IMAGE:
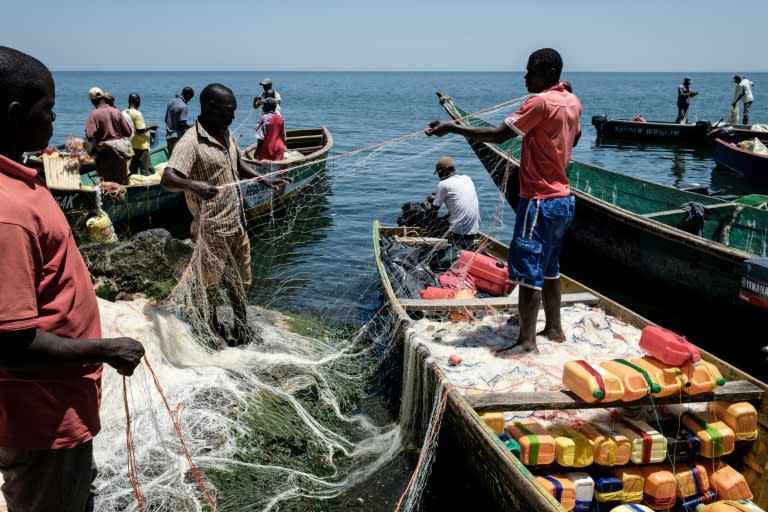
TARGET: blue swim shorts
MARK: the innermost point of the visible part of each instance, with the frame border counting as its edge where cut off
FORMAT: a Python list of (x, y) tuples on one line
[(540, 225)]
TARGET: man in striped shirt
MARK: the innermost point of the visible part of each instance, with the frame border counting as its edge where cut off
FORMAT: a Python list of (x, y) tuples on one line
[(206, 165)]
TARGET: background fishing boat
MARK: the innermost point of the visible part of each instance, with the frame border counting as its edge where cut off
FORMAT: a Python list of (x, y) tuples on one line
[(666, 131), (750, 163), (306, 155), (480, 451), (142, 198), (640, 232)]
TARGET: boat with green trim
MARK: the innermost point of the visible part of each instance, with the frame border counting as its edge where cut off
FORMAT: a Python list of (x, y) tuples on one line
[(435, 382), (677, 246)]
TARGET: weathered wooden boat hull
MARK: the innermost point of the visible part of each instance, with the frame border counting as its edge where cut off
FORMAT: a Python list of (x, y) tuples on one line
[(752, 165), (631, 225), (314, 144), (502, 475), (692, 133), (138, 201)]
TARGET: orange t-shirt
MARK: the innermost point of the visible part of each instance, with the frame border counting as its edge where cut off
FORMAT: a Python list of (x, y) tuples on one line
[(548, 122), (44, 284)]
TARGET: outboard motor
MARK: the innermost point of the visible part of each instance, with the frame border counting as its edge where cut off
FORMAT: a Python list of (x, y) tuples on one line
[(598, 122), (753, 285), (704, 126)]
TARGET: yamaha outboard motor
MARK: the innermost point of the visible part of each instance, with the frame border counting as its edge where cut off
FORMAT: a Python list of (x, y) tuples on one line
[(753, 285)]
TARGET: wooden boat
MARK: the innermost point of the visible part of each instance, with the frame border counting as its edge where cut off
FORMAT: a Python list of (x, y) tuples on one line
[(690, 133), (122, 204), (306, 155), (733, 156), (463, 433), (634, 226)]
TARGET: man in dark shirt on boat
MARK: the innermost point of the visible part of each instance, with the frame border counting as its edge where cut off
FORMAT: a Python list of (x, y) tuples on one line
[(684, 95), (548, 123), (206, 165), (51, 346), (109, 133), (176, 117)]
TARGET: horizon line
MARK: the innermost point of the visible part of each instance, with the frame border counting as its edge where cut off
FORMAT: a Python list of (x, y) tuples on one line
[(372, 71)]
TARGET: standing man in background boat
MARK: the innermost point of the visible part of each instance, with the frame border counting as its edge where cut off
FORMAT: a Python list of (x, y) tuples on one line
[(684, 95), (457, 193), (548, 122), (270, 133), (109, 133), (267, 93), (206, 165), (51, 349), (141, 163), (176, 117), (743, 93)]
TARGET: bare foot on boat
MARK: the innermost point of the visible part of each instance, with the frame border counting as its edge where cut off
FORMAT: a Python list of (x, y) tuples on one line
[(556, 335), (518, 350)]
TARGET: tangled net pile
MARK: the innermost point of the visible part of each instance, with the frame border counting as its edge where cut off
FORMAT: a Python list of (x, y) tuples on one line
[(273, 425)]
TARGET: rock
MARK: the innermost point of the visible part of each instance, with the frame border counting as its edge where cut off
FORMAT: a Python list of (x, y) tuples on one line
[(150, 263)]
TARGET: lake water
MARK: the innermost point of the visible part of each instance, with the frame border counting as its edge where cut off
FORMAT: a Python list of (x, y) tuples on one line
[(322, 263)]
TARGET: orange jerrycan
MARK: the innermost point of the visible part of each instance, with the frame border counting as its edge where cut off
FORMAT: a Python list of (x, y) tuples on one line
[(536, 445), (670, 378), (495, 420), (611, 448), (572, 448), (560, 487), (592, 383), (637, 382), (634, 481), (717, 438), (660, 487), (701, 377), (691, 480), (648, 445), (728, 483), (741, 417)]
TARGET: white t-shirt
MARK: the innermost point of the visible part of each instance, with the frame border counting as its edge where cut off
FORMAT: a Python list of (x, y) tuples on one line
[(744, 86), (458, 194)]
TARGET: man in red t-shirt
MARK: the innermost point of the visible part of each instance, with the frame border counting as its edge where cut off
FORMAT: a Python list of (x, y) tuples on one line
[(51, 349), (548, 123)]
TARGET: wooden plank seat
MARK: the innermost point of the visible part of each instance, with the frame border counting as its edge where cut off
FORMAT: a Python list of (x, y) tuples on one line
[(489, 302), (734, 391), (680, 211)]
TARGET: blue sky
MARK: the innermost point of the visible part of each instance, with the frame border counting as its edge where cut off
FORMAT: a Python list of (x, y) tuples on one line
[(388, 35)]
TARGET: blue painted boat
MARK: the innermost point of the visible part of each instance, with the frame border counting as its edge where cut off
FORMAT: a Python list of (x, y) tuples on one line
[(733, 156), (666, 131)]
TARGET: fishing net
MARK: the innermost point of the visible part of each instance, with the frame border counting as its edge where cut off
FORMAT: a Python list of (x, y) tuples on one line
[(283, 422)]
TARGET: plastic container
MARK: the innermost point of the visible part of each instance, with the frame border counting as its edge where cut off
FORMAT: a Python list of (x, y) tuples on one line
[(631, 507), (632, 480), (717, 438), (730, 506), (491, 275), (592, 383), (729, 484), (572, 448), (585, 490), (637, 382), (512, 445), (691, 480), (536, 445), (100, 228), (702, 377), (669, 378), (668, 347), (434, 293), (741, 417), (495, 420), (611, 448), (561, 488), (648, 445), (608, 490), (659, 487)]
